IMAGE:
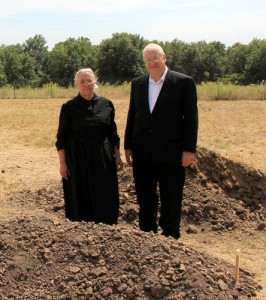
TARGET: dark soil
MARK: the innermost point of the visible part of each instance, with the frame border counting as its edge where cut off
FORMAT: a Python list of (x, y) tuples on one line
[(45, 256)]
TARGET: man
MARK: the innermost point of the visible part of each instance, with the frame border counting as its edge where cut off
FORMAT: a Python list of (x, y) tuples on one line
[(160, 140)]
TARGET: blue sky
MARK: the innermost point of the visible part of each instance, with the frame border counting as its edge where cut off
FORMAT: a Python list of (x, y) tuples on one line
[(227, 21)]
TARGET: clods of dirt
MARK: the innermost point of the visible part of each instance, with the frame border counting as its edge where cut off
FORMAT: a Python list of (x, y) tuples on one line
[(45, 256), (58, 259)]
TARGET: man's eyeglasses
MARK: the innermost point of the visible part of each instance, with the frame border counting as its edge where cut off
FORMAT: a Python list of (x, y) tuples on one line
[(152, 60)]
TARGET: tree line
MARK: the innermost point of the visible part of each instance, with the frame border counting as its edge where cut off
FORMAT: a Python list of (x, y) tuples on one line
[(119, 59)]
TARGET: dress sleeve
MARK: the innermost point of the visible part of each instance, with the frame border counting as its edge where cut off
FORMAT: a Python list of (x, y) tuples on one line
[(113, 136), (63, 128)]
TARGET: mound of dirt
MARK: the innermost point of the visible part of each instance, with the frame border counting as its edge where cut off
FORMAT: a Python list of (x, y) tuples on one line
[(56, 259), (224, 195), (45, 256)]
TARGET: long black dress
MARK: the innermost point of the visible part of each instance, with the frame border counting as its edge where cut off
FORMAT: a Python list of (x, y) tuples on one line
[(87, 131)]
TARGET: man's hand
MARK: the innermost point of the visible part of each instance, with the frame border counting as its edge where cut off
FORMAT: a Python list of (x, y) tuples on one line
[(119, 163), (129, 156), (187, 158)]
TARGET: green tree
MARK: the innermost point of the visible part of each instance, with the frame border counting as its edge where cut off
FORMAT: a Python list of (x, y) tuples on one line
[(175, 55), (120, 58), (255, 69), (3, 79), (236, 58), (36, 48), (215, 55), (67, 57), (235, 62), (18, 66), (28, 71), (203, 61)]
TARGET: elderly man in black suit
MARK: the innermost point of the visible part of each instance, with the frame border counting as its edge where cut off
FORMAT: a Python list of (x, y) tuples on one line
[(160, 140)]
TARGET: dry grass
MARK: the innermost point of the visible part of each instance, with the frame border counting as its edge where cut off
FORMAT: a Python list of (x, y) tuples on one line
[(29, 122), (206, 91), (221, 91), (236, 129)]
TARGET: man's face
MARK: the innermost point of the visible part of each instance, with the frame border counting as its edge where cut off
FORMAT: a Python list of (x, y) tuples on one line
[(154, 62)]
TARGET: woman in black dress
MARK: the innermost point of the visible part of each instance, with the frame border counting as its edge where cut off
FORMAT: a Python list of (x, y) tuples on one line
[(88, 149)]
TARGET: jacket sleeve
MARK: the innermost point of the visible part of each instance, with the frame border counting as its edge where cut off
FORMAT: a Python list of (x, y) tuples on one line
[(190, 116)]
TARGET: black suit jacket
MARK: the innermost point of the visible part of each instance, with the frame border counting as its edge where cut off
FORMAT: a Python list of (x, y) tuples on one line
[(171, 127)]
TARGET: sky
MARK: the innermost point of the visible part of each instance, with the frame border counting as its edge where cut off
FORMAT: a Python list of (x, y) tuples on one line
[(226, 21)]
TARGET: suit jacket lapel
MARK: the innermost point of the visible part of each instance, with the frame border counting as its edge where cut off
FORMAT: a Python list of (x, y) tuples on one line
[(144, 95), (164, 91)]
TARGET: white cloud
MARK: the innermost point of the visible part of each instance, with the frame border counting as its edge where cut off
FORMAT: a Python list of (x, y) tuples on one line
[(190, 4), (192, 20), (14, 8)]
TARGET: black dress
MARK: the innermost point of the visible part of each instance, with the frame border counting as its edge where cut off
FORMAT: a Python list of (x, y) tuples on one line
[(87, 131)]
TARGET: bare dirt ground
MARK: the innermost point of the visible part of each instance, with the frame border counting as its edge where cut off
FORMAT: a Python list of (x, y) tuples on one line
[(44, 256)]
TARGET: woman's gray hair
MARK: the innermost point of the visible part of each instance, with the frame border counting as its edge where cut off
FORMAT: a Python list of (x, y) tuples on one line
[(153, 47), (85, 70)]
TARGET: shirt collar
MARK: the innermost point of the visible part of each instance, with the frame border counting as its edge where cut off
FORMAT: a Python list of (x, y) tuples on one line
[(161, 79)]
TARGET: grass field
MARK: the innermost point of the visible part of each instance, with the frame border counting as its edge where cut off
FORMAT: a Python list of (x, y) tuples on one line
[(206, 91), (235, 129)]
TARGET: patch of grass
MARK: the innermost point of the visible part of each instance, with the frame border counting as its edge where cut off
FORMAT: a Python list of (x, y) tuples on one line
[(29, 122), (206, 91), (235, 129), (221, 91)]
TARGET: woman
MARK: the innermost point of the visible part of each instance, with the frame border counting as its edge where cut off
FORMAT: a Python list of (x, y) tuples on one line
[(88, 149)]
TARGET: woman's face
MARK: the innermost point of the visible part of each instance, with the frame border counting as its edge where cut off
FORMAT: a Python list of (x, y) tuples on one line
[(85, 84)]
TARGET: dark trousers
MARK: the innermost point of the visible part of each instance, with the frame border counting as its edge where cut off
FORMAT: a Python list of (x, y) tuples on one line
[(169, 179)]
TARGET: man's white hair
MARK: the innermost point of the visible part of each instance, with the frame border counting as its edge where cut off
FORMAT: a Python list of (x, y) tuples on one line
[(153, 47)]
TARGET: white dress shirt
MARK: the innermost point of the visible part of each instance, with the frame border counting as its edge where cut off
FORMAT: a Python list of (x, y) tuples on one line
[(154, 89)]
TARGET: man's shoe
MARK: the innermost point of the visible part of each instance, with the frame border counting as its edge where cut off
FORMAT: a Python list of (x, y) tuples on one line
[(149, 230), (168, 233)]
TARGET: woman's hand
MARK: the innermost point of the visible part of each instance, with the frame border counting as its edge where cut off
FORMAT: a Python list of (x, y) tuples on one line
[(119, 162), (64, 172)]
